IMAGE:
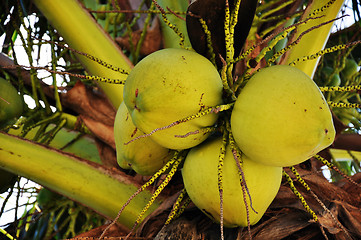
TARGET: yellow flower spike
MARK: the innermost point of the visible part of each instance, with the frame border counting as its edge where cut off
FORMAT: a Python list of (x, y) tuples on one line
[(332, 166), (176, 207), (187, 201), (299, 195), (82, 33), (344, 105), (316, 39), (340, 89), (305, 185), (209, 41), (172, 26), (222, 154), (322, 52), (157, 192)]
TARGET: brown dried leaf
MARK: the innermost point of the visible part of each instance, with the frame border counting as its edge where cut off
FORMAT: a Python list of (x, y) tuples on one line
[(94, 109), (283, 225), (114, 231), (155, 221), (326, 220), (242, 65), (152, 41), (286, 218), (350, 216), (107, 154), (100, 130)]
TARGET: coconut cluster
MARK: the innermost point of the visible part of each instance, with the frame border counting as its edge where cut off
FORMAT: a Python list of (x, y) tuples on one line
[(279, 119)]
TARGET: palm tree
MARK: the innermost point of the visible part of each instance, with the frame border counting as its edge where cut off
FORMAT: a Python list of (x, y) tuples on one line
[(66, 142)]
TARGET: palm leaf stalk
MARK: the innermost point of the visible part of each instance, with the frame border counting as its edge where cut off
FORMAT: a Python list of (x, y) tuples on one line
[(315, 40), (102, 189), (82, 33)]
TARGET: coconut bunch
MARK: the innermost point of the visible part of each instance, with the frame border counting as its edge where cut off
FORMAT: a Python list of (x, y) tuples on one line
[(172, 102), (162, 90)]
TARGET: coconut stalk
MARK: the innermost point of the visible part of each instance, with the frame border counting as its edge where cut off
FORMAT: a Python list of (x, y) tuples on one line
[(170, 38), (68, 141), (81, 32), (315, 40), (102, 189)]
